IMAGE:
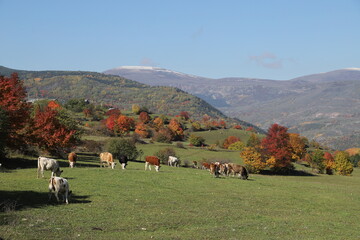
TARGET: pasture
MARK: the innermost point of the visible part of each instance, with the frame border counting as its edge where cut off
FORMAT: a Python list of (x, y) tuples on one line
[(178, 203)]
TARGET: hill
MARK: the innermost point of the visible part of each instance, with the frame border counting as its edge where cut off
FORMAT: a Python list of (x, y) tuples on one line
[(323, 106), (114, 91)]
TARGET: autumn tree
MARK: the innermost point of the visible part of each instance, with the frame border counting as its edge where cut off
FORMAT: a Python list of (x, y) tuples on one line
[(158, 123), (236, 146), (196, 141), (230, 140), (135, 109), (184, 115), (50, 134), (343, 166), (297, 146), (195, 126), (4, 125), (144, 117), (329, 163), (15, 110), (164, 135), (177, 129), (53, 104), (253, 159), (113, 111), (253, 141), (277, 147), (142, 130), (124, 124)]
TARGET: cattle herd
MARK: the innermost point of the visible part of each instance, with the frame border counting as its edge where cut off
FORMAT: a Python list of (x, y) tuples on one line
[(59, 185)]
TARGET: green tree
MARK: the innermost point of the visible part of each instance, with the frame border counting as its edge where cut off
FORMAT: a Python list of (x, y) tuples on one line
[(123, 147), (196, 140), (317, 161)]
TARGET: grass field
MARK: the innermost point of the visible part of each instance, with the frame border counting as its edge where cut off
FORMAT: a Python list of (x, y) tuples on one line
[(178, 203)]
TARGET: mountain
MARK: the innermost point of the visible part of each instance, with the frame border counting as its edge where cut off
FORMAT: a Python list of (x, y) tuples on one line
[(115, 91), (323, 106)]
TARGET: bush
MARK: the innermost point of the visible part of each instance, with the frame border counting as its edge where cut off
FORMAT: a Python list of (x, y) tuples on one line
[(123, 147), (164, 154), (196, 140), (355, 159), (236, 146), (164, 135)]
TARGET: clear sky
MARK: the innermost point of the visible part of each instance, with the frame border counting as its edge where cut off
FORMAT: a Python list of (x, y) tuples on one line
[(273, 39)]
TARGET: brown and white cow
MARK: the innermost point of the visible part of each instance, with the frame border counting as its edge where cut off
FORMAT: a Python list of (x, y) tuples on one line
[(106, 158), (48, 164), (59, 185), (215, 169), (239, 170), (72, 157), (205, 165), (152, 160)]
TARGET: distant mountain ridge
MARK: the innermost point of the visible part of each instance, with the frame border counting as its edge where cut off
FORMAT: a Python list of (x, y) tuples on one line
[(323, 106), (116, 91)]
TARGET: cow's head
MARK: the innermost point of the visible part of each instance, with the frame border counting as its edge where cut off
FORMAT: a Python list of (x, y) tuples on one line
[(58, 172), (157, 167)]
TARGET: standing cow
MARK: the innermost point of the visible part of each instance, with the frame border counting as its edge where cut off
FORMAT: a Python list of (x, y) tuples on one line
[(173, 161), (48, 164), (59, 185), (107, 158), (241, 171), (152, 160), (72, 157), (123, 161)]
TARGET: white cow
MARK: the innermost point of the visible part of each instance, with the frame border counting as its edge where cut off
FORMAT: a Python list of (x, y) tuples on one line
[(59, 185), (173, 161), (48, 164)]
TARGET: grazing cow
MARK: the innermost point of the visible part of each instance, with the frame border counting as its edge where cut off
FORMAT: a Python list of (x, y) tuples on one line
[(239, 170), (173, 161), (205, 165), (72, 157), (215, 169), (106, 158), (123, 161), (152, 160), (195, 164), (224, 169), (48, 164), (59, 185)]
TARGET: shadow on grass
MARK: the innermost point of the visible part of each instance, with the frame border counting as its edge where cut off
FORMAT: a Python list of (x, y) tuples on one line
[(18, 200), (289, 173)]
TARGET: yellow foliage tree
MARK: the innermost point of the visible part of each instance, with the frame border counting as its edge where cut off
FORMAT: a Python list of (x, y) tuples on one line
[(253, 159), (343, 166), (297, 146)]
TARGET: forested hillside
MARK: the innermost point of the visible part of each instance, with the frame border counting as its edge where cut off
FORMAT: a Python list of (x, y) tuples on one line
[(114, 91)]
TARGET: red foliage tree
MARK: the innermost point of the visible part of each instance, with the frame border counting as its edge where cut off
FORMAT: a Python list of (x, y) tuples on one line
[(49, 133), (276, 144), (111, 122), (184, 115), (53, 105), (144, 117), (230, 140), (113, 111), (238, 127), (17, 110)]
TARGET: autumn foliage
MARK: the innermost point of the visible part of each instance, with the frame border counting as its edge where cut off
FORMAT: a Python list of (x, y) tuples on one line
[(230, 140)]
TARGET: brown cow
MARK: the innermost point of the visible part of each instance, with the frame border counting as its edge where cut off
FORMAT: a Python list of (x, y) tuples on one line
[(152, 160), (239, 170), (215, 169), (72, 157), (106, 158), (205, 165)]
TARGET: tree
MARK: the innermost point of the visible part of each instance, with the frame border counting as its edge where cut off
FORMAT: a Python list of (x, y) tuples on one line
[(177, 129), (164, 154), (236, 146), (196, 126), (196, 141), (142, 130), (124, 124), (158, 123), (253, 141), (144, 117), (297, 146), (135, 109), (123, 147), (343, 165), (276, 144), (50, 134), (4, 125), (253, 159), (164, 135), (230, 140), (53, 104), (184, 115), (15, 110), (329, 163), (76, 104), (317, 161)]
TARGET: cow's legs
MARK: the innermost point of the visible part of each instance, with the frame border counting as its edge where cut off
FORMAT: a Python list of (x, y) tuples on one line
[(146, 165)]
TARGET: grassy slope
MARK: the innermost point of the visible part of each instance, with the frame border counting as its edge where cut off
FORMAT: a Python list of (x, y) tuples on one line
[(180, 203)]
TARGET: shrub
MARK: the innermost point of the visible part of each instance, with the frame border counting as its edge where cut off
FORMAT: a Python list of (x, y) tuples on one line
[(123, 147), (196, 140), (237, 146), (164, 154), (355, 159), (163, 135)]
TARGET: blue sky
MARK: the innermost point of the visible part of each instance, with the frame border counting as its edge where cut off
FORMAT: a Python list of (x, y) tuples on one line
[(241, 38)]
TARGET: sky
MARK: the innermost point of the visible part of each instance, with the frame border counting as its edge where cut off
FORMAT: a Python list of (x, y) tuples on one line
[(277, 39)]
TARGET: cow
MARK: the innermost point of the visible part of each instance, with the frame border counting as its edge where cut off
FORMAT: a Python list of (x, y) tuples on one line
[(123, 161), (59, 185), (205, 165), (224, 169), (106, 158), (173, 161), (152, 160), (215, 169), (72, 157), (195, 164), (48, 164), (239, 170)]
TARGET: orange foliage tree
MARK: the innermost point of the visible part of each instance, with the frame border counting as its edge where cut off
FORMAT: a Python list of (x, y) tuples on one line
[(297, 146), (15, 108), (158, 123), (177, 129), (124, 124), (142, 130), (53, 105), (144, 117), (329, 163)]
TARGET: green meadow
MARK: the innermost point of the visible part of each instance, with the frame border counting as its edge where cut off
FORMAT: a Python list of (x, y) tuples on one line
[(178, 203)]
